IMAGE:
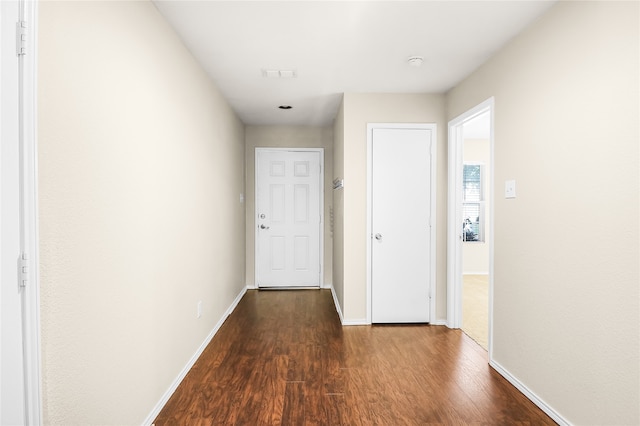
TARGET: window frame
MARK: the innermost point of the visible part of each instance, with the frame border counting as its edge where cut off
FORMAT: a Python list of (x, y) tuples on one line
[(481, 237)]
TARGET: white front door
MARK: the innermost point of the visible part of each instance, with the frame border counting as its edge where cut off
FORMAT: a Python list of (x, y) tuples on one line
[(288, 219), (400, 224)]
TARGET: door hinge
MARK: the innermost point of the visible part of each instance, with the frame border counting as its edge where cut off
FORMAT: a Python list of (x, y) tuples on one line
[(21, 38), (23, 264)]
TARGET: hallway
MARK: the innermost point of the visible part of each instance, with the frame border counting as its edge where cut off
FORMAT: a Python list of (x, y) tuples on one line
[(283, 358)]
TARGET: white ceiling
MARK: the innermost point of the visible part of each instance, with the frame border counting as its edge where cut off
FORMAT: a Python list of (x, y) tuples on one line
[(339, 46)]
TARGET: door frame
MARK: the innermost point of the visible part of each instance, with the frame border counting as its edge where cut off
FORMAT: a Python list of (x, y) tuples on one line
[(28, 190), (320, 151), (432, 221), (454, 216)]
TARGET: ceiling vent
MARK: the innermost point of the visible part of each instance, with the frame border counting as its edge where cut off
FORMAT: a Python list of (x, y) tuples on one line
[(279, 73)]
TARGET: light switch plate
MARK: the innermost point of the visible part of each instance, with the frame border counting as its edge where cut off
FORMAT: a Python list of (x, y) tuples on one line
[(510, 189)]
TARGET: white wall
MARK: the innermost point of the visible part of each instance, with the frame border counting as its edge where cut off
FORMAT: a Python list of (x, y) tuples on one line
[(141, 163), (475, 255), (566, 301), (286, 137), (359, 109)]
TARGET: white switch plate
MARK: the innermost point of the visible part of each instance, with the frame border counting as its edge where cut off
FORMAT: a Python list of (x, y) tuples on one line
[(510, 189), (241, 198)]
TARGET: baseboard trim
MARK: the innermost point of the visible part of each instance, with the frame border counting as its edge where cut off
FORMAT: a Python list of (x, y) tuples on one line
[(172, 388), (440, 322), (475, 273), (529, 394), (335, 302), (362, 321), (342, 320)]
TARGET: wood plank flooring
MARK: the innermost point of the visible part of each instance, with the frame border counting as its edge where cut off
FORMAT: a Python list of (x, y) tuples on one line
[(283, 358)]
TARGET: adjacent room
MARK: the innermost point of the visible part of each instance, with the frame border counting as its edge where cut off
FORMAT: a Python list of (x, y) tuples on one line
[(148, 207)]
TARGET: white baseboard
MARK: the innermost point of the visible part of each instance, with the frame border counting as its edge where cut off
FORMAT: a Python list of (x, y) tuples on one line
[(362, 321), (342, 320), (439, 322), (476, 273), (165, 398), (335, 302), (529, 394)]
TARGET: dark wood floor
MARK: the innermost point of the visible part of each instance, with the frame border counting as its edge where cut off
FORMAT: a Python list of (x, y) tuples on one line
[(282, 358)]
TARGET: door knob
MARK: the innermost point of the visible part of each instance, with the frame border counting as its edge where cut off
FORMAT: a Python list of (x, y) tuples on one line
[(379, 237), (263, 227)]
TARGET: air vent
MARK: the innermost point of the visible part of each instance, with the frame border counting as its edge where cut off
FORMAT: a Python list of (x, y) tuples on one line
[(279, 73)]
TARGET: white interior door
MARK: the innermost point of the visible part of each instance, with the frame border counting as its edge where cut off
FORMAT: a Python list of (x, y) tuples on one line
[(288, 219), (401, 232)]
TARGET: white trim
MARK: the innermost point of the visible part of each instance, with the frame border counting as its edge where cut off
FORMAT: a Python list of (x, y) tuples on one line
[(439, 322), (344, 322), (361, 321), (174, 385), (432, 262), (337, 304), (255, 204), (30, 232), (454, 206), (529, 394), (476, 273)]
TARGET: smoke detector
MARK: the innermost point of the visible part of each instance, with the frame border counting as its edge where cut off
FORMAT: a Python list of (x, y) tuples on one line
[(415, 61)]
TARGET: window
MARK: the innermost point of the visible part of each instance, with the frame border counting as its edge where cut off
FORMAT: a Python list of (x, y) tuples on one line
[(473, 202)]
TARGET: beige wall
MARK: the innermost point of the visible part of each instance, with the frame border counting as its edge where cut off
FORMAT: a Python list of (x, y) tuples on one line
[(475, 255), (286, 137), (566, 302), (358, 110), (141, 163), (337, 226)]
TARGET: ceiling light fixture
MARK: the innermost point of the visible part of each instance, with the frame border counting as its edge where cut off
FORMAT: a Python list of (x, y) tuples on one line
[(285, 107), (415, 61)]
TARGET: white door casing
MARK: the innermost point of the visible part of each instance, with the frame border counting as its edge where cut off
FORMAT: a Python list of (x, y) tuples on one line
[(454, 229), (402, 256), (288, 217), (20, 400), (12, 401)]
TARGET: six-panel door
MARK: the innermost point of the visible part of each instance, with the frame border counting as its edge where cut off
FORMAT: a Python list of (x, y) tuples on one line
[(288, 218)]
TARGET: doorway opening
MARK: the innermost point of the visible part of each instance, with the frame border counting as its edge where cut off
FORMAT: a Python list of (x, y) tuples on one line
[(470, 230)]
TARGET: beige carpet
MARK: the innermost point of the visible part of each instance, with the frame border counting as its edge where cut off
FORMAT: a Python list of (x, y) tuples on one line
[(475, 308)]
